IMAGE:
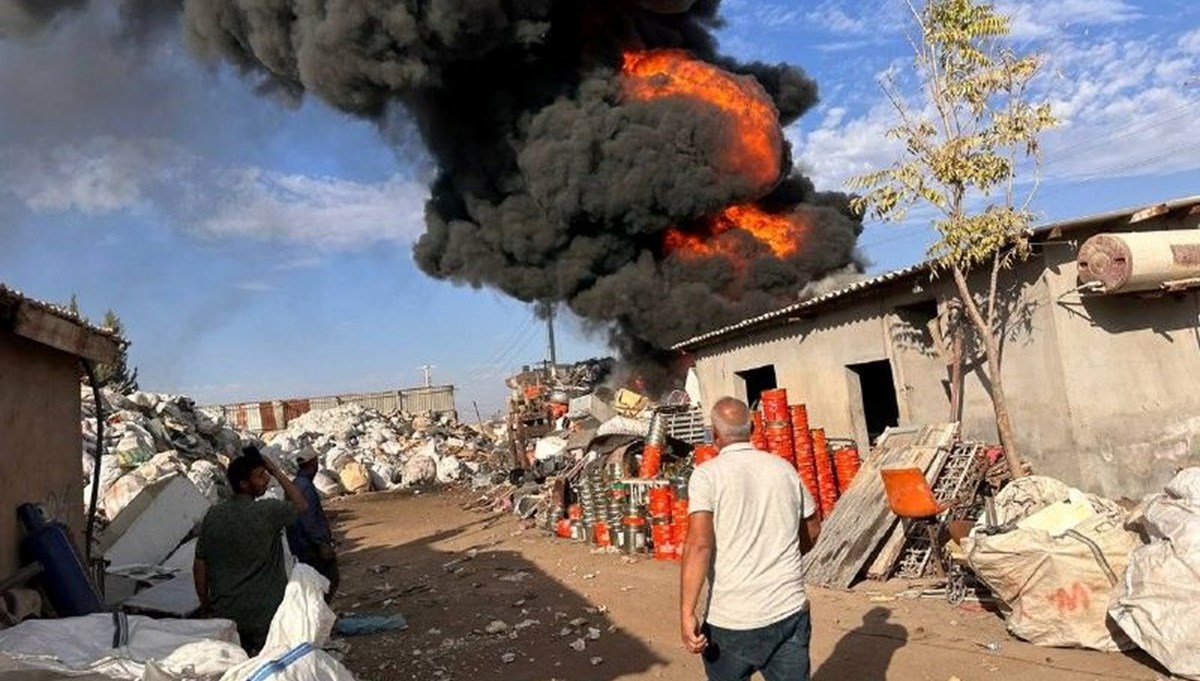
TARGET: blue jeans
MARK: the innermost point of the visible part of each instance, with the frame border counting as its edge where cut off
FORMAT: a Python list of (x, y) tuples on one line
[(779, 651)]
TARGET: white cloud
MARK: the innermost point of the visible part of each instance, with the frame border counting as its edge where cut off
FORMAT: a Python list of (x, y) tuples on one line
[(1190, 42), (101, 176), (1127, 106), (299, 263), (1033, 19), (255, 286), (107, 175), (327, 212), (841, 147)]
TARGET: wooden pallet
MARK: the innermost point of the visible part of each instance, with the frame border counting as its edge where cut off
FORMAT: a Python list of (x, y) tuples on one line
[(861, 522)]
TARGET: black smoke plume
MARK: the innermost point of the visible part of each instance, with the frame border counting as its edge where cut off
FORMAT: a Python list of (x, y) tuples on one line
[(550, 185)]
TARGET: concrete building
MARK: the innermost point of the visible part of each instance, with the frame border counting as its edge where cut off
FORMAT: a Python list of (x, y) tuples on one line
[(40, 440), (1102, 387)]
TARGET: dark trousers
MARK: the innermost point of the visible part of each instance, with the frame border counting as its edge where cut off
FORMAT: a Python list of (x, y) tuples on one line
[(779, 651), (328, 567)]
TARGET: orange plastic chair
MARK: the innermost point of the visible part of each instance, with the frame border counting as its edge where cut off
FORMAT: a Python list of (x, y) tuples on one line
[(909, 495)]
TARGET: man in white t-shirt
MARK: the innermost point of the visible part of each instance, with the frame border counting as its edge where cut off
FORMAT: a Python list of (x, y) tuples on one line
[(750, 519)]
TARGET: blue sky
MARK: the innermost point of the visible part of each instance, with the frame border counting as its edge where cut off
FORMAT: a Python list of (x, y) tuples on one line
[(259, 250)]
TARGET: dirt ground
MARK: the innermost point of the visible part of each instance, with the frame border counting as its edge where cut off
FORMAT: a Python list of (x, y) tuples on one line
[(452, 572)]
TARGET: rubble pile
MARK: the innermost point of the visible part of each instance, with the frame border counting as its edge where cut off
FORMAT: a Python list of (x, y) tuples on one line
[(362, 450), (148, 437)]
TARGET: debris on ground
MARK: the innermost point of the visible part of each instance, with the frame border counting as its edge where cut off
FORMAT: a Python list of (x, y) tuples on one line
[(359, 625)]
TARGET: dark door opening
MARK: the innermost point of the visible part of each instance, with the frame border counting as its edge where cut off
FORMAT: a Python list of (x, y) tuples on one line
[(878, 396), (756, 381)]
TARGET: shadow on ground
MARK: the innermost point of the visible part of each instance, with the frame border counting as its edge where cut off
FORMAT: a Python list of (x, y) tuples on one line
[(450, 585), (865, 653)]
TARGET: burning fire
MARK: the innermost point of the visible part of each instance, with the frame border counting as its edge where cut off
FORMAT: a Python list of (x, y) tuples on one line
[(756, 150), (782, 233)]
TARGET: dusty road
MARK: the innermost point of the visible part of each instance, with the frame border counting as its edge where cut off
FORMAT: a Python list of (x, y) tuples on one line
[(451, 573)]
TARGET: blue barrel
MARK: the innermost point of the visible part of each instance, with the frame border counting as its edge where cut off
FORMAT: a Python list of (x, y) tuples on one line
[(63, 577)]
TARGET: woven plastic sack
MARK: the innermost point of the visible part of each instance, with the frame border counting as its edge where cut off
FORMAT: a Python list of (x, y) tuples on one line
[(1058, 587), (301, 625), (1156, 602)]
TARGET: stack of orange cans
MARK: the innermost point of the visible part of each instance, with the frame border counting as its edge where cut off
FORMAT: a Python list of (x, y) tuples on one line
[(651, 461), (806, 461), (846, 463), (827, 492), (778, 424), (703, 452), (758, 436), (660, 504), (679, 525)]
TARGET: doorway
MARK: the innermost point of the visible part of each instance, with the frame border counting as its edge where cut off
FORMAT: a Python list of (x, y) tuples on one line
[(878, 392), (756, 381)]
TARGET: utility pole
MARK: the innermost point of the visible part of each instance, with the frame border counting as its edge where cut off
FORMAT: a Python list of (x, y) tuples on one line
[(550, 333), (428, 371)]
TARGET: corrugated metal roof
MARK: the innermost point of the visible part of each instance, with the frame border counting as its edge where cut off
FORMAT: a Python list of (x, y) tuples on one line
[(1048, 231), (95, 343), (12, 296), (804, 305)]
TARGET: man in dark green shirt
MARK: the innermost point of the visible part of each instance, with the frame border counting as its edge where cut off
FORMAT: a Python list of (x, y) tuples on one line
[(239, 569)]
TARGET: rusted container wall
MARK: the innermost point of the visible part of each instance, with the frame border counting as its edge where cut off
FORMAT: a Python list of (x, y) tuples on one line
[(294, 409), (322, 403), (253, 417), (384, 403), (237, 415), (438, 399), (260, 417), (266, 413)]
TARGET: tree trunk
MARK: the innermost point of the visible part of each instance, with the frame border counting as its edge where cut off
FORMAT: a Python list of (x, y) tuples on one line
[(956, 372), (991, 349)]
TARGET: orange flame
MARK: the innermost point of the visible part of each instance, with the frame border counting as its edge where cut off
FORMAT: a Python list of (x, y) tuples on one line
[(782, 233), (756, 150)]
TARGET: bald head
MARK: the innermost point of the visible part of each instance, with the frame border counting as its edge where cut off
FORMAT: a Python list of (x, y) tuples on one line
[(731, 421)]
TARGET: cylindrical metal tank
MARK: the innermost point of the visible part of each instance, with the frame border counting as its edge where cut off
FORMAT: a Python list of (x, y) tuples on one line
[(1140, 261)]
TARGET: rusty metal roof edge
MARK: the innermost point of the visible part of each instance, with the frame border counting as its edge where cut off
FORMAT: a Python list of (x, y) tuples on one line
[(11, 295), (1047, 231), (1054, 229)]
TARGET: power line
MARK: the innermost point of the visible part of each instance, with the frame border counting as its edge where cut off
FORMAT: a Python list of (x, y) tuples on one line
[(1137, 127), (502, 349)]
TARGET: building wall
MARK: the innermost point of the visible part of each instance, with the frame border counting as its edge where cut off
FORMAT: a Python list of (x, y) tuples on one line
[(1102, 390), (810, 359), (40, 440), (1134, 367)]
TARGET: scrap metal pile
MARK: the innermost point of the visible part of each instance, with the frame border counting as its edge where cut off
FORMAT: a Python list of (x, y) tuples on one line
[(622, 484)]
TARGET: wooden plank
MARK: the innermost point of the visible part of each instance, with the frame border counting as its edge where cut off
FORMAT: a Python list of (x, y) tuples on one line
[(893, 545), (49, 329), (861, 520), (1148, 213)]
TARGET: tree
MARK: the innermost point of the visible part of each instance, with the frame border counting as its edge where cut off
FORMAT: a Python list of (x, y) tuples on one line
[(974, 132), (116, 374), (73, 307)]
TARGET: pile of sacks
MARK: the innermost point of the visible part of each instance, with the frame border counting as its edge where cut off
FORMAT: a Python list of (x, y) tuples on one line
[(149, 436), (362, 450), (1076, 570)]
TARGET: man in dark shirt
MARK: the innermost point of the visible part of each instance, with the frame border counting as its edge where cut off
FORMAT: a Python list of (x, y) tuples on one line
[(239, 569), (309, 537)]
